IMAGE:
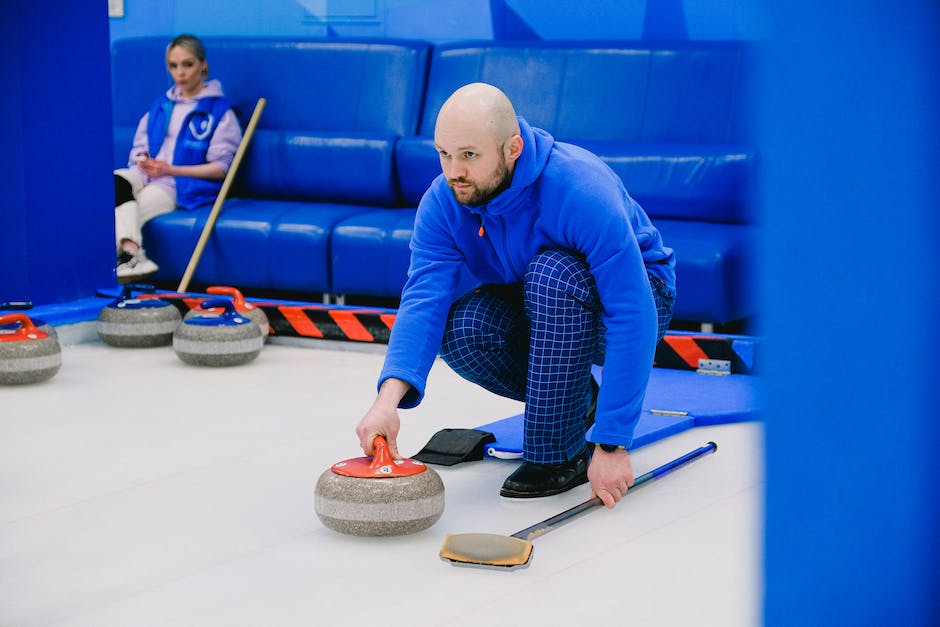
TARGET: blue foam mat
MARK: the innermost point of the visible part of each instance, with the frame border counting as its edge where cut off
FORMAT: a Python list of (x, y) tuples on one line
[(699, 399), (71, 312)]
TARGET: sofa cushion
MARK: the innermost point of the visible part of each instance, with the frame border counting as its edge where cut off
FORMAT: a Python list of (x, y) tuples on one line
[(416, 165), (325, 167), (714, 269), (370, 252), (672, 180), (260, 244)]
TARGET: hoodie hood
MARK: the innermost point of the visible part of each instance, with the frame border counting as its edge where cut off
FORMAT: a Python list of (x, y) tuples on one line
[(536, 148), (212, 88)]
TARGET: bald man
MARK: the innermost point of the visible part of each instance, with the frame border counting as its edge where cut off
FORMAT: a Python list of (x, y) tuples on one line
[(571, 273)]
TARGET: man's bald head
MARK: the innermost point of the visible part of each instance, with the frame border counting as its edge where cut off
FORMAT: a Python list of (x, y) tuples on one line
[(477, 138), (479, 107)]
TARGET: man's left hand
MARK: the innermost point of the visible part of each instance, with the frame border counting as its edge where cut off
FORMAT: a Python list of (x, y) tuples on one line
[(610, 474)]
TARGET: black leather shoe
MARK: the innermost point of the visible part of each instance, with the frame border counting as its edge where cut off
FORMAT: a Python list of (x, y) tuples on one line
[(531, 480)]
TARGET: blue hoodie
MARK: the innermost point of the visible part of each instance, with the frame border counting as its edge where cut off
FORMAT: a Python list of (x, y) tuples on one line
[(561, 196)]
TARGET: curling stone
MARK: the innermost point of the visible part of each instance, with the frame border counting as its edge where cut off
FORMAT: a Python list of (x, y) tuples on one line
[(378, 496), (27, 354), (242, 306), (221, 338), (137, 322), (22, 305)]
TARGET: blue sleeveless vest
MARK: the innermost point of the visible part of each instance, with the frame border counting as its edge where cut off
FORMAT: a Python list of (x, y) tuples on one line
[(192, 144)]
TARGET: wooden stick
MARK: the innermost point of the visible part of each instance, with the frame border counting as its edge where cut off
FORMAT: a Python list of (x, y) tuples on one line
[(217, 207)]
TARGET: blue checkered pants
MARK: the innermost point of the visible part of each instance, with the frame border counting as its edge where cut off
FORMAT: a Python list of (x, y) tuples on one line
[(535, 342)]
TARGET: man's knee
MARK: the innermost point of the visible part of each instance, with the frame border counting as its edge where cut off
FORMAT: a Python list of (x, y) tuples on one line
[(559, 272), (477, 322), (461, 327)]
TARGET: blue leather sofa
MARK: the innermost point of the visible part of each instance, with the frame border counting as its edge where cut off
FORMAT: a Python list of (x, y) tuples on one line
[(326, 201), (323, 151)]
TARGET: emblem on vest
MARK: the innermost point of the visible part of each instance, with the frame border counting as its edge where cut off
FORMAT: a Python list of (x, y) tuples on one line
[(202, 127)]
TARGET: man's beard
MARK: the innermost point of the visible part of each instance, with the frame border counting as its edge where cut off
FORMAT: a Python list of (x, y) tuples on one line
[(482, 195)]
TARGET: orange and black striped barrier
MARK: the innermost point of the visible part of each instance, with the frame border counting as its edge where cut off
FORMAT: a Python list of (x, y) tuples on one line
[(332, 323), (712, 354), (717, 354), (328, 322)]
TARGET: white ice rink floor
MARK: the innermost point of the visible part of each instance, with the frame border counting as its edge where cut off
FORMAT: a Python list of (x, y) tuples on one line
[(138, 491)]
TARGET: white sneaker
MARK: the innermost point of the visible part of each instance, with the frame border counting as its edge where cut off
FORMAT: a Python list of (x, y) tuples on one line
[(137, 265)]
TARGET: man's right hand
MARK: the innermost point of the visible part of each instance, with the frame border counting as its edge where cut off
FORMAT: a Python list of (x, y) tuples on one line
[(382, 418)]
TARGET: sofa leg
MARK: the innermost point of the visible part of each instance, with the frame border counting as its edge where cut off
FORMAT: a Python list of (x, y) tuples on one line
[(708, 327)]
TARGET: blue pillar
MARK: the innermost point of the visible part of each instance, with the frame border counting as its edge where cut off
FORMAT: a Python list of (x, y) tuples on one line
[(850, 277), (56, 211)]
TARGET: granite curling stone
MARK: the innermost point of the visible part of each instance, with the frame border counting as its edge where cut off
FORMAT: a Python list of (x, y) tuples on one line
[(221, 338), (27, 354), (242, 306), (378, 496), (130, 322)]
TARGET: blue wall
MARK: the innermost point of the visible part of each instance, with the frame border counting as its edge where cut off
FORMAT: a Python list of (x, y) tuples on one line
[(442, 20), (849, 283), (57, 209)]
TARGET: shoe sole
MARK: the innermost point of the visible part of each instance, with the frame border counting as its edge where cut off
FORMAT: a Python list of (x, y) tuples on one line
[(145, 269), (513, 494), (133, 278)]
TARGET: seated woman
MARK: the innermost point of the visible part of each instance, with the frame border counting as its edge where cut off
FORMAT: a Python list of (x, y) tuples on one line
[(182, 150)]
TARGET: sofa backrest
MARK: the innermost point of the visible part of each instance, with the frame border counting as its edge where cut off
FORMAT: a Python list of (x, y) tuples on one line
[(327, 99), (338, 86), (691, 92), (669, 119)]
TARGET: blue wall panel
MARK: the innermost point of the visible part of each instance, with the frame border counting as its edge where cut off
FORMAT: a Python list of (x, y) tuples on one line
[(849, 101), (57, 220), (14, 246), (448, 20)]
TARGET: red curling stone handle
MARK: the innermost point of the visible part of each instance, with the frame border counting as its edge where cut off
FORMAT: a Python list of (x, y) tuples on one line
[(380, 466), (27, 331), (237, 297)]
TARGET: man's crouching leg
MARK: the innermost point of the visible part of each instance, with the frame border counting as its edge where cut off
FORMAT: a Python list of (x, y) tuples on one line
[(486, 339), (562, 305)]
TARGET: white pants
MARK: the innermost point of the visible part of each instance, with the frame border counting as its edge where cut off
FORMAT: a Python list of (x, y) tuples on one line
[(149, 202)]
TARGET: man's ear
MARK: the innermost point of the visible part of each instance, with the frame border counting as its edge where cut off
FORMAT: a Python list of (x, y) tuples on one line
[(514, 148)]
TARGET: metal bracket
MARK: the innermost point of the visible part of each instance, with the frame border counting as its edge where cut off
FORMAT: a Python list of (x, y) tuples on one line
[(714, 366), (669, 412)]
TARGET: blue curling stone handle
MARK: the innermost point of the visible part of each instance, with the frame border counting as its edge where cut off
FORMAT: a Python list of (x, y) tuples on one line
[(139, 303), (228, 317), (127, 301)]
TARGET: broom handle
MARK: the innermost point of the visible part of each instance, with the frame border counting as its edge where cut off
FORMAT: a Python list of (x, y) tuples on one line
[(217, 207), (558, 519)]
